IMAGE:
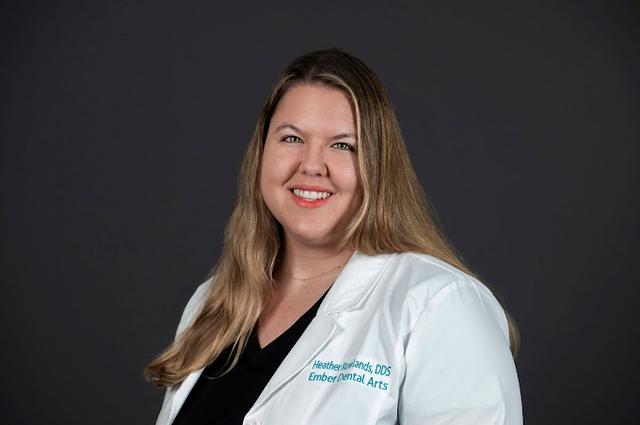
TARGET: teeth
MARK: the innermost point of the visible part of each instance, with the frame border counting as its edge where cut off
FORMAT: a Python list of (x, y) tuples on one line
[(306, 194)]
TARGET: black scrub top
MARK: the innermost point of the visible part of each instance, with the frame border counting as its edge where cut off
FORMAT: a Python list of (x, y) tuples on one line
[(227, 399)]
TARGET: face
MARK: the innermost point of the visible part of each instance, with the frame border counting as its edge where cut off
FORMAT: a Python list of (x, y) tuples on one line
[(309, 177)]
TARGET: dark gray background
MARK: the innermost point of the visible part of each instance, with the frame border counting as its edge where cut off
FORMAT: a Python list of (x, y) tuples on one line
[(123, 125)]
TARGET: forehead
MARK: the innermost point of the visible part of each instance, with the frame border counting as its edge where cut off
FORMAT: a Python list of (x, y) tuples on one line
[(315, 106)]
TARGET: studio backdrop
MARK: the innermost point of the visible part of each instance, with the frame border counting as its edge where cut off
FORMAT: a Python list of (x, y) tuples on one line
[(123, 125)]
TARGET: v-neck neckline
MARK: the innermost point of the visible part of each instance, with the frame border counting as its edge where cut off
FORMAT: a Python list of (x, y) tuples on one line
[(304, 319)]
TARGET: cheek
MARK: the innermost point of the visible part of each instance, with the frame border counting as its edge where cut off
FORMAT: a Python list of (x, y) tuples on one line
[(349, 176), (275, 170), (269, 165)]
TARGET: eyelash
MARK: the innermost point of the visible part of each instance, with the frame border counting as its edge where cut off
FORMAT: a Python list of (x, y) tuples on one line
[(349, 147)]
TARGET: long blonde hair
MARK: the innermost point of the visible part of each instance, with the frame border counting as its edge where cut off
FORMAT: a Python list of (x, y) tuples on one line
[(394, 216)]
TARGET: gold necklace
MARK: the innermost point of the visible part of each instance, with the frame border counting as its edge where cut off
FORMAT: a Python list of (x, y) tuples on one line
[(313, 277)]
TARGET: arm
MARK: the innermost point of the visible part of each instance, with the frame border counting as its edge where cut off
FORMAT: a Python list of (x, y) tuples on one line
[(459, 369)]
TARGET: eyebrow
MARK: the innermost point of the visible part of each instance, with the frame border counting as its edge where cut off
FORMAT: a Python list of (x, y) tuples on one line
[(293, 127)]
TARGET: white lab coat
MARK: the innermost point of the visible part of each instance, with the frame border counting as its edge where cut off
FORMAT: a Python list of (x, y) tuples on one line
[(399, 338)]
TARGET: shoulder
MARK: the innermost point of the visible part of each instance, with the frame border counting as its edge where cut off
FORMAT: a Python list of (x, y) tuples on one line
[(456, 352), (427, 283), (425, 272), (194, 304)]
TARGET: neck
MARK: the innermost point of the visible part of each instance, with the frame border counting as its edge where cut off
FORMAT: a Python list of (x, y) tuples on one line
[(306, 261)]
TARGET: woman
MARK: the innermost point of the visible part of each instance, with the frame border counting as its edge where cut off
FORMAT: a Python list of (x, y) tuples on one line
[(337, 300)]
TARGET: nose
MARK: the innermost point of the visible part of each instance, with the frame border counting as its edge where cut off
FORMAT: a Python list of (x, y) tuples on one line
[(312, 162)]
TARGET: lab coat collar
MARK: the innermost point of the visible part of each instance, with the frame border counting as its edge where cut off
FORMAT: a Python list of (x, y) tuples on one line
[(354, 283)]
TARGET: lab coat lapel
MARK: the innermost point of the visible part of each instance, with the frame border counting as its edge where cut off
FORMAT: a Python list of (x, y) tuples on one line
[(348, 292), (182, 392), (315, 337)]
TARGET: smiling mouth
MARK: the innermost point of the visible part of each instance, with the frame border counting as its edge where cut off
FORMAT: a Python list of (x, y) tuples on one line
[(309, 195)]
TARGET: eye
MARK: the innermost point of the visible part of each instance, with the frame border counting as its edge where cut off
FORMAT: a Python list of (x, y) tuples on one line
[(344, 146), (289, 137)]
